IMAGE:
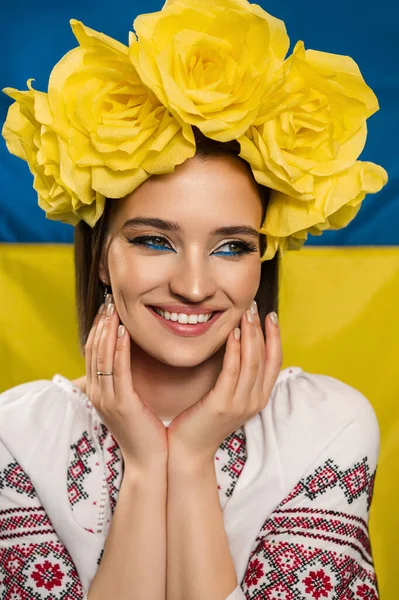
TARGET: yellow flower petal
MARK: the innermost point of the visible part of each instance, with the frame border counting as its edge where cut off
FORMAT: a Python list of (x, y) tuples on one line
[(337, 201), (90, 38), (115, 184), (209, 62), (16, 128)]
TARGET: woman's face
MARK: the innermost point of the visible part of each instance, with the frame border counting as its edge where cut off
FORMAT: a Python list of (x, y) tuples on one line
[(193, 267)]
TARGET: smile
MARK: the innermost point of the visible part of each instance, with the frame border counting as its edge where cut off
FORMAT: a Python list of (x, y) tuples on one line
[(185, 325)]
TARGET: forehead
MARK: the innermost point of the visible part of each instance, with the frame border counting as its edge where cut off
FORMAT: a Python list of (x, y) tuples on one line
[(199, 192)]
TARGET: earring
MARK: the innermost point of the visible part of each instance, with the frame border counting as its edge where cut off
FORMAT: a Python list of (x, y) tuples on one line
[(106, 292)]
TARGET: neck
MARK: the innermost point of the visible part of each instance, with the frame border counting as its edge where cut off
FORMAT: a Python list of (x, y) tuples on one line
[(169, 390)]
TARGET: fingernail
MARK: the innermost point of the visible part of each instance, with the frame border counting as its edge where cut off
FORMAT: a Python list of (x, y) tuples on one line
[(237, 333), (100, 310), (274, 318), (250, 316), (254, 307), (110, 309), (121, 331), (108, 299)]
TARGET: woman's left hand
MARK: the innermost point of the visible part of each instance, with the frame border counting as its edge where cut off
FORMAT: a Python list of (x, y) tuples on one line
[(250, 370)]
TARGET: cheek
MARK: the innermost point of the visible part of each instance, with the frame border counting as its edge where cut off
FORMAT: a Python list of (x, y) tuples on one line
[(132, 276), (242, 284)]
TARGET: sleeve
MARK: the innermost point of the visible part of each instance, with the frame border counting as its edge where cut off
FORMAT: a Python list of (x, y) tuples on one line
[(315, 545), (34, 564)]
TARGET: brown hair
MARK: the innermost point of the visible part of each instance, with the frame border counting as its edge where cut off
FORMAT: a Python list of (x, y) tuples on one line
[(88, 244)]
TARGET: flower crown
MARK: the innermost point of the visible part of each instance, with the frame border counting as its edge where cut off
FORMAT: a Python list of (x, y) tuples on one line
[(114, 115)]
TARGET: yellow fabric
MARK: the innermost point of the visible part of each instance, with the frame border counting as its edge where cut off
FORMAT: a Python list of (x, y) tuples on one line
[(338, 313)]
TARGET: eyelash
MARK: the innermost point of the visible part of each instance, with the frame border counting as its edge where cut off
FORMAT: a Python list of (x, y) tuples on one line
[(245, 247)]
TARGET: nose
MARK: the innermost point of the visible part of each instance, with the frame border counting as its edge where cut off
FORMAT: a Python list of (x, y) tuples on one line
[(193, 277)]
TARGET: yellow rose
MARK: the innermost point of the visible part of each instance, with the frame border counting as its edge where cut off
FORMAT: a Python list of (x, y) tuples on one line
[(105, 132), (49, 162), (209, 61), (337, 200), (310, 129), (312, 122)]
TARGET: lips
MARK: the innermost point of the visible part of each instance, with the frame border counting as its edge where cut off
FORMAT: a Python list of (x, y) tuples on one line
[(155, 308), (177, 310), (186, 329)]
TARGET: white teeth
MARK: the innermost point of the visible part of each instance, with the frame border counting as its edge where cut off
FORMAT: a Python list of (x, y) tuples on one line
[(182, 318)]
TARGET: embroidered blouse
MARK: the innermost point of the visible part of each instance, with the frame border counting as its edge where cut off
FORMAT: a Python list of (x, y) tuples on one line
[(295, 484)]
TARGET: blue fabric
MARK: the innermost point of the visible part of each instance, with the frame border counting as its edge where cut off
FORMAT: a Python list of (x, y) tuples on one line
[(35, 35)]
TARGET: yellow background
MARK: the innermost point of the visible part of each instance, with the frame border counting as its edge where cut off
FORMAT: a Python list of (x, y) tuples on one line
[(338, 315)]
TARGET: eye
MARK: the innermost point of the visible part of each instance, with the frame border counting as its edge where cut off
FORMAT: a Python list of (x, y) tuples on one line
[(243, 247), (143, 241)]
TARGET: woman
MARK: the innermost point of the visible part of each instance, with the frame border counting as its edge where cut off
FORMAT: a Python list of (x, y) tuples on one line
[(254, 482)]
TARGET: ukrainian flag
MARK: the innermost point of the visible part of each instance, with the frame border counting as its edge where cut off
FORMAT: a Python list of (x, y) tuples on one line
[(339, 297)]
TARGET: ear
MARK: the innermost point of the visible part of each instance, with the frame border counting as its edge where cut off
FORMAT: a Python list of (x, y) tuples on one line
[(103, 274), (103, 271)]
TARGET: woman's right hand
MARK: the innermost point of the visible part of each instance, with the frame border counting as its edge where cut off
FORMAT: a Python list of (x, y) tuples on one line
[(141, 436)]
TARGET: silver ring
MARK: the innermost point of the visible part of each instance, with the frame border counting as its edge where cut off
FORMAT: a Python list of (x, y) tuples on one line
[(100, 373)]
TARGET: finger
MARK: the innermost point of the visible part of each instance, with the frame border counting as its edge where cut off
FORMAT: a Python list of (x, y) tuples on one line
[(249, 361), (274, 356), (96, 341), (226, 383), (106, 351), (261, 351), (89, 346), (123, 380)]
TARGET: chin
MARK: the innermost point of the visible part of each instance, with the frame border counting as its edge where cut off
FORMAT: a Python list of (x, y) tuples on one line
[(182, 356)]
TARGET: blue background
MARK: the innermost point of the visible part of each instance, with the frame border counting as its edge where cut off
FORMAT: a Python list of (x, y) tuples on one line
[(35, 35)]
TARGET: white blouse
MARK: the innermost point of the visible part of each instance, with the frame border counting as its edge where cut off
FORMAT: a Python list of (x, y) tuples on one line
[(295, 485)]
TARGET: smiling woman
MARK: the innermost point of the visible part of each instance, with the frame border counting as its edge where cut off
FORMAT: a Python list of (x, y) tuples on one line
[(89, 242), (205, 217), (188, 162)]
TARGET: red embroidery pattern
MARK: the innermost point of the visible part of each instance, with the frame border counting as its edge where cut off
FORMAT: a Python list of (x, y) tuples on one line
[(113, 463), (303, 552), (15, 523), (355, 481), (292, 571), (32, 571), (364, 591), (232, 456), (344, 529), (14, 477), (38, 572), (79, 469), (318, 584)]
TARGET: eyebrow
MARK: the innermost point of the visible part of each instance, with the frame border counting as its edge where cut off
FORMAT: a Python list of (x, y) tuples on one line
[(173, 226)]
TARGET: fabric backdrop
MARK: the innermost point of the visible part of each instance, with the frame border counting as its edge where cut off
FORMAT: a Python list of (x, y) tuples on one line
[(339, 295)]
